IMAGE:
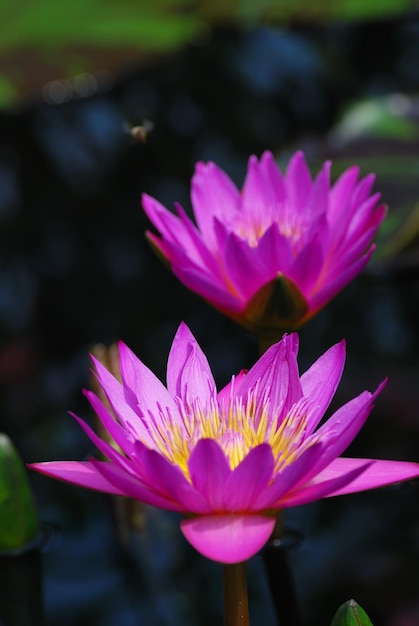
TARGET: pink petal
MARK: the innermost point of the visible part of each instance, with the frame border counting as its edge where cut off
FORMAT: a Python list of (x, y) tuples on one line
[(276, 188), (134, 487), (229, 538), (122, 437), (330, 288), (82, 473), (125, 411), (104, 447), (362, 191), (378, 473), (213, 194), (243, 486), (231, 389), (299, 182), (209, 470), (140, 380), (164, 221), (168, 480), (205, 285), (318, 488), (259, 198), (319, 197), (189, 375), (276, 374), (244, 267), (340, 195), (288, 479), (275, 251), (307, 267), (320, 381), (341, 429), (197, 251)]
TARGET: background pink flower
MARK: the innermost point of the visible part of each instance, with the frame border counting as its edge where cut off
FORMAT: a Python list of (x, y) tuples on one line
[(228, 460), (275, 253)]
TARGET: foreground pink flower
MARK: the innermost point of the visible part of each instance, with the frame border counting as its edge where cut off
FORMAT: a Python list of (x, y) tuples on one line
[(274, 254), (229, 460)]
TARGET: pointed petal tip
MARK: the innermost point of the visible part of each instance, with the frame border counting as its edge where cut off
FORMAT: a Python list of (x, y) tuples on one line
[(228, 537)]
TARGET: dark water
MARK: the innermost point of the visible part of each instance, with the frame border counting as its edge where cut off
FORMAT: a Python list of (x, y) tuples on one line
[(76, 270)]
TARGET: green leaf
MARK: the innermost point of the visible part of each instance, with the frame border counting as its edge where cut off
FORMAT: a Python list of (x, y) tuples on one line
[(377, 117), (351, 614), (19, 523), (7, 91)]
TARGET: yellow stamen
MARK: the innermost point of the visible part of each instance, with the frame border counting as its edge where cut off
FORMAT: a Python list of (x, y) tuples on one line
[(237, 426)]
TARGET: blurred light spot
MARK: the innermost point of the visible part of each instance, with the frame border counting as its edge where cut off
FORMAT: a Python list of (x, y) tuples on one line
[(84, 85), (57, 91)]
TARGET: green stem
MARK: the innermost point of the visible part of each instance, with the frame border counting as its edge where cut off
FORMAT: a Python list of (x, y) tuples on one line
[(281, 582), (236, 609)]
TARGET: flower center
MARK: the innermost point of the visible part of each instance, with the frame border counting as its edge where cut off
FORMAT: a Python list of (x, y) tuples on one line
[(238, 426), (252, 231)]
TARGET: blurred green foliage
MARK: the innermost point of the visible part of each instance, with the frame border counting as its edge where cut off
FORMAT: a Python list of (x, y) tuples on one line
[(18, 517), (73, 31)]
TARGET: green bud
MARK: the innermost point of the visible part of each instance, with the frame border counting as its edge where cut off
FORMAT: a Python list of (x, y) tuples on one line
[(351, 614), (278, 305), (19, 523)]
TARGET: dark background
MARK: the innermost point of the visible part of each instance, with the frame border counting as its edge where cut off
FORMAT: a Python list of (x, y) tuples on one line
[(75, 270)]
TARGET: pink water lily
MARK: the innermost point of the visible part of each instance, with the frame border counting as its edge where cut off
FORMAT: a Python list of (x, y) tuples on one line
[(274, 254), (228, 460)]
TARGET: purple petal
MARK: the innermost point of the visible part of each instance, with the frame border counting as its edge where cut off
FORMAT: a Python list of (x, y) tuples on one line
[(134, 487), (378, 473), (198, 251), (249, 479), (82, 473), (104, 447), (259, 197), (318, 489), (319, 197), (275, 182), (146, 387), (306, 269), (276, 373), (340, 195), (125, 412), (168, 480), (213, 194), (244, 266), (299, 182), (331, 287), (188, 372), (164, 221), (231, 389), (275, 251), (207, 287), (122, 437), (229, 538), (209, 470), (339, 431), (288, 479), (320, 381)]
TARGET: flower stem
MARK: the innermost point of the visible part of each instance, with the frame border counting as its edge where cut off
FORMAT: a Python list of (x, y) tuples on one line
[(280, 578), (275, 557), (236, 609)]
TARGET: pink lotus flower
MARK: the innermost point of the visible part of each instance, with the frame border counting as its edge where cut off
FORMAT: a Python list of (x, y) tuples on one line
[(272, 255), (229, 461)]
